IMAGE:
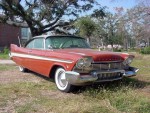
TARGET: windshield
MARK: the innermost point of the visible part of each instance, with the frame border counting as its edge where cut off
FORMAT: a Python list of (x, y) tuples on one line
[(66, 42)]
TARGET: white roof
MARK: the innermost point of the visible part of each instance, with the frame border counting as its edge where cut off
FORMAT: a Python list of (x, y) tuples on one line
[(44, 36)]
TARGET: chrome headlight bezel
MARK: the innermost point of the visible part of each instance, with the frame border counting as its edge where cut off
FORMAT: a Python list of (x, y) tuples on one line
[(128, 60), (84, 62)]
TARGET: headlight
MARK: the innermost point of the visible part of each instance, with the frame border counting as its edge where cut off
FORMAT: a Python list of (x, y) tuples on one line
[(128, 60), (84, 62)]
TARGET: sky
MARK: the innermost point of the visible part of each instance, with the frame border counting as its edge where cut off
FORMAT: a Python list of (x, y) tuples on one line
[(111, 4)]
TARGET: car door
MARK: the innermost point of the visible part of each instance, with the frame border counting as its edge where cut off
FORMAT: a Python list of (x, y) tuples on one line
[(36, 55)]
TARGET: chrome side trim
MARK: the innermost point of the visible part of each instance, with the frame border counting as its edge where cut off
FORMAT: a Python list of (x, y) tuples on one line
[(39, 57)]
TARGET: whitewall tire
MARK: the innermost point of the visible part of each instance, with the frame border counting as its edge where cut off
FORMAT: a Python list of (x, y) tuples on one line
[(22, 69), (61, 82)]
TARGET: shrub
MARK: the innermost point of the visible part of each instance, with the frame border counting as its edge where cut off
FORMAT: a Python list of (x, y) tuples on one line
[(145, 50), (6, 50), (117, 50)]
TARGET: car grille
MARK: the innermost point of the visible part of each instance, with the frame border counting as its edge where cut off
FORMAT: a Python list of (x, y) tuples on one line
[(107, 66), (101, 67), (109, 76)]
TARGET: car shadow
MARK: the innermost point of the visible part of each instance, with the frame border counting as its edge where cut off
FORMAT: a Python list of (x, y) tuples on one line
[(41, 76), (132, 83), (112, 86)]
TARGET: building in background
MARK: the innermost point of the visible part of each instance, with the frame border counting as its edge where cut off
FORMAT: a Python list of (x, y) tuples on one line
[(25, 35), (9, 35)]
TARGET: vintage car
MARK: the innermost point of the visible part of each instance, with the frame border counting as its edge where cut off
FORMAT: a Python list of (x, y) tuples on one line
[(70, 61)]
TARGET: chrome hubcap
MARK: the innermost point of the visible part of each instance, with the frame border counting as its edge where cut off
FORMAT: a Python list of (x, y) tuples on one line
[(62, 79)]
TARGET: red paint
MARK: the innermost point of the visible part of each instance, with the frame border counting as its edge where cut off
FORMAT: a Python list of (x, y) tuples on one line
[(44, 66)]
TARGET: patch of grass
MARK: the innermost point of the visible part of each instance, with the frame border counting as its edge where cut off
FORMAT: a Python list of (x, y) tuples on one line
[(25, 108), (113, 97), (5, 67), (55, 101), (122, 98), (99, 99), (4, 56), (142, 62)]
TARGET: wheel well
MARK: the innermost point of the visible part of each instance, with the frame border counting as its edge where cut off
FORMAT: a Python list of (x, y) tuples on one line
[(53, 70)]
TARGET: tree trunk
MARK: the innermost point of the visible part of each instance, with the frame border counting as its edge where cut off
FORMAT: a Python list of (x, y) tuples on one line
[(88, 41), (112, 45), (148, 42)]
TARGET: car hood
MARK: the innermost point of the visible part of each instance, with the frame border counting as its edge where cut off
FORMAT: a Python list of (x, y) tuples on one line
[(96, 55)]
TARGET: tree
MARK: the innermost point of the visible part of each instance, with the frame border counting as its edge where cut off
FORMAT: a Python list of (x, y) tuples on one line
[(138, 19), (86, 26), (134, 25), (42, 16), (110, 26)]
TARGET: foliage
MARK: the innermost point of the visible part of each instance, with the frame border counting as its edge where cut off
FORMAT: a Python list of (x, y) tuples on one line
[(145, 50), (108, 29), (134, 25), (124, 28), (42, 16), (4, 53), (4, 56), (6, 50), (86, 26), (117, 50)]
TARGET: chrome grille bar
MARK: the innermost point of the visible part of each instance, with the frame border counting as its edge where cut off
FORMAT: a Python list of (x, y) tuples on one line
[(107, 66)]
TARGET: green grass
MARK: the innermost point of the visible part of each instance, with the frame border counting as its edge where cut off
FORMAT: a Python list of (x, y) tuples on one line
[(6, 67), (142, 62), (125, 96), (4, 56), (106, 99)]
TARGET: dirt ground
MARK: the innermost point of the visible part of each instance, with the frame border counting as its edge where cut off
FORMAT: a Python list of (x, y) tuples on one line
[(12, 76)]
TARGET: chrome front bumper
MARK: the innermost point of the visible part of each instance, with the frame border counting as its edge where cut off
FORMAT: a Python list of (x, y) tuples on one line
[(76, 79)]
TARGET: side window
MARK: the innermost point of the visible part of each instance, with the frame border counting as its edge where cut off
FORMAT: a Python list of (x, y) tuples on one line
[(30, 44), (38, 43)]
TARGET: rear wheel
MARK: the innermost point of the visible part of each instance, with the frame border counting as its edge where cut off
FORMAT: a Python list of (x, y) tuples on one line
[(22, 69), (61, 82)]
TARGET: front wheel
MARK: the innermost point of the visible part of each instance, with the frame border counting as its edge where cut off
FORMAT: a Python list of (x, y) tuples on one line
[(61, 82)]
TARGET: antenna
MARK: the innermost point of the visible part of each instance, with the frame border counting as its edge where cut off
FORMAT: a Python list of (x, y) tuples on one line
[(19, 40)]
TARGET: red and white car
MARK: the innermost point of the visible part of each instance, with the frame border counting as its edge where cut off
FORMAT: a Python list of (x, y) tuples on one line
[(71, 61)]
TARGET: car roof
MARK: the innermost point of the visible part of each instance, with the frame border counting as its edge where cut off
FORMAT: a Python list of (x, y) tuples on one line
[(47, 36), (44, 36), (52, 36)]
